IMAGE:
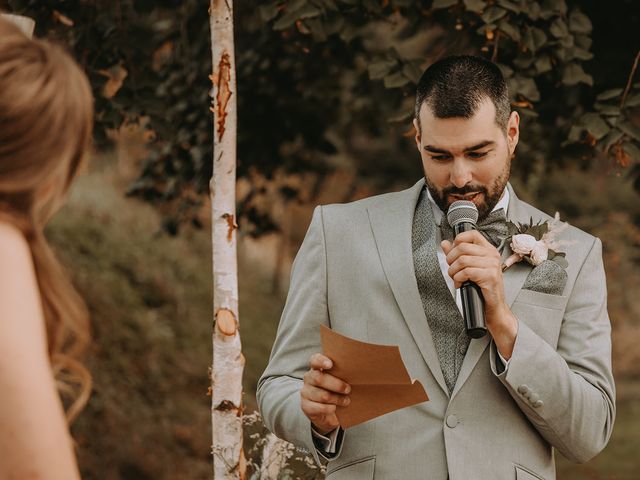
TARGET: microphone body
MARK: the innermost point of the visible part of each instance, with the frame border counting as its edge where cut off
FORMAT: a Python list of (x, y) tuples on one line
[(462, 216)]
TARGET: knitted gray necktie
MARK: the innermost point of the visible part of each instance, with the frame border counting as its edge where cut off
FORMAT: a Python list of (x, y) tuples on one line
[(445, 320), (493, 227)]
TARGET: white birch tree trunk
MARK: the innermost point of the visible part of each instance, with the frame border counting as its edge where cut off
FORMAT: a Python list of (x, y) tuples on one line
[(228, 361)]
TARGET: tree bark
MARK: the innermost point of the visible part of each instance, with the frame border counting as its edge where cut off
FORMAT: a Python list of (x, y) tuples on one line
[(228, 361)]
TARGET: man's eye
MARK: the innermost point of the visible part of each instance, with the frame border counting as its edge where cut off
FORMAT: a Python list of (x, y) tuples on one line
[(477, 154), (440, 157)]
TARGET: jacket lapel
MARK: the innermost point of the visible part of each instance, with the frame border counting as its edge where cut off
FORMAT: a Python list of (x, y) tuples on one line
[(513, 279), (391, 222)]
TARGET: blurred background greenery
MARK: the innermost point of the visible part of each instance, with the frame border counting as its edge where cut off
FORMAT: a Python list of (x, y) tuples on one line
[(324, 93)]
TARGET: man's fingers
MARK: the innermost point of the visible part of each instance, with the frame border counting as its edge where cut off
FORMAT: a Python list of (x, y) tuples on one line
[(478, 275), (320, 362), (469, 261), (315, 409), (327, 381), (320, 395), (446, 246), (472, 236), (470, 249)]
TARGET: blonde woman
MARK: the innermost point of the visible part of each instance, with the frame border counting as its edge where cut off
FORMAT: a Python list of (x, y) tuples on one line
[(46, 112)]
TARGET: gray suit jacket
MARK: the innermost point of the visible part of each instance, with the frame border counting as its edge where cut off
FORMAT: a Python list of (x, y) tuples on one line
[(354, 272)]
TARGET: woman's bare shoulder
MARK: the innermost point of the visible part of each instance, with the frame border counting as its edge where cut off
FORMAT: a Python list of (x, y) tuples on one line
[(12, 242), (19, 293)]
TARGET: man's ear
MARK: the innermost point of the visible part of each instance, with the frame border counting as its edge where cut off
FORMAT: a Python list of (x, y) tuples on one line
[(417, 137), (513, 131)]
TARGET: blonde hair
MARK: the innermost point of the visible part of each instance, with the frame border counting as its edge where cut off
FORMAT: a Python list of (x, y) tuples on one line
[(46, 123)]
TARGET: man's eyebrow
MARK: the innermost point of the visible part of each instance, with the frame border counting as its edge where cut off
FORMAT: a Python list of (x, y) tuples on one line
[(480, 145)]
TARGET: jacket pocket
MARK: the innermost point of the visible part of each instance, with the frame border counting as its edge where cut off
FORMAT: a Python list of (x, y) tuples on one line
[(526, 474), (539, 299), (362, 468)]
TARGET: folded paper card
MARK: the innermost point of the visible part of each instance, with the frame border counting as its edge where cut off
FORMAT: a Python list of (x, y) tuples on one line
[(379, 380)]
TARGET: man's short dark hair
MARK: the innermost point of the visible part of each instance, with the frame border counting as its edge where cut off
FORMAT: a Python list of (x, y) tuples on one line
[(456, 85)]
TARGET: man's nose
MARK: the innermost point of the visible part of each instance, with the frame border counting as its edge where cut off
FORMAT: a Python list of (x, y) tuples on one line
[(460, 173)]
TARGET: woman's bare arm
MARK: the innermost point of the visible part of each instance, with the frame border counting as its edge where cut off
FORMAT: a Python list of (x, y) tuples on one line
[(34, 438)]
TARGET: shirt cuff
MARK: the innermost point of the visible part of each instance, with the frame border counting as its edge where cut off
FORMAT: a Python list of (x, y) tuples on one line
[(505, 363), (326, 442)]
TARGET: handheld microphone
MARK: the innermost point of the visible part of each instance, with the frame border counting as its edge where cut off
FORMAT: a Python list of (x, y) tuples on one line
[(462, 216)]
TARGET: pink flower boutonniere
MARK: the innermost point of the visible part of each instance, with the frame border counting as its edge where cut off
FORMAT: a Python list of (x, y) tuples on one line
[(536, 243)]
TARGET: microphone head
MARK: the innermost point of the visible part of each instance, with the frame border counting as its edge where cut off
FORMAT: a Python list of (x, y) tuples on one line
[(462, 211)]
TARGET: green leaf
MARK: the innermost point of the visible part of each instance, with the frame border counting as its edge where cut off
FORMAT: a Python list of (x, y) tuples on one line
[(334, 24), (534, 38), (309, 11), (543, 64), (443, 3), (395, 80), (317, 29), (581, 53), (583, 41), (373, 6), (579, 22), (606, 109), (492, 14), (285, 21), (381, 68), (401, 117), (609, 94), (630, 129), (595, 125), (558, 28), (268, 12), (632, 101), (524, 60), (632, 150), (575, 133), (507, 71), (558, 6), (349, 32), (533, 11), (412, 72), (509, 29), (611, 138), (574, 74), (509, 5), (524, 86), (475, 5)]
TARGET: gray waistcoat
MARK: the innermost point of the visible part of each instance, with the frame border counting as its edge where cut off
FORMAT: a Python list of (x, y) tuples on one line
[(445, 320)]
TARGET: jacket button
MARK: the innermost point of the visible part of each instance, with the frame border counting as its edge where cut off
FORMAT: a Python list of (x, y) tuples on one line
[(534, 397), (452, 421), (538, 403), (523, 389)]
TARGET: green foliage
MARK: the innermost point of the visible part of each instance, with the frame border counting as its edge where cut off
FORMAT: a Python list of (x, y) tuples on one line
[(320, 79)]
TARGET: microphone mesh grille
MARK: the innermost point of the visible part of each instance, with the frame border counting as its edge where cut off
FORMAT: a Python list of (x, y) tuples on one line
[(462, 211)]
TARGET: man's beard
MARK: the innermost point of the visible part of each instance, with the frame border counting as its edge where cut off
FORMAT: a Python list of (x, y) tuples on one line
[(491, 195)]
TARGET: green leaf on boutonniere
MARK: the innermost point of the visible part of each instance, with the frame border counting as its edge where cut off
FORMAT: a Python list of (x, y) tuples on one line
[(560, 260)]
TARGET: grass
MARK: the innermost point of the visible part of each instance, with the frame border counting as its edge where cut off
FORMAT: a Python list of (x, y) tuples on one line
[(151, 298)]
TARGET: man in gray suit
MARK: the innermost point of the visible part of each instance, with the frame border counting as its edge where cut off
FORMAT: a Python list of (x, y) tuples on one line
[(384, 270)]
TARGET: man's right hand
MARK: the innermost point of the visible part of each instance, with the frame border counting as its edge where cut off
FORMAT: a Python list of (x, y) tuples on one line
[(321, 393)]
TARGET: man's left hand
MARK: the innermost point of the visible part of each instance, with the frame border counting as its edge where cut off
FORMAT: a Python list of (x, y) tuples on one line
[(471, 257)]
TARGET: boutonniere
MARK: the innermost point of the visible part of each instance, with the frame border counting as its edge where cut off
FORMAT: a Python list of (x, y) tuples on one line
[(536, 243)]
